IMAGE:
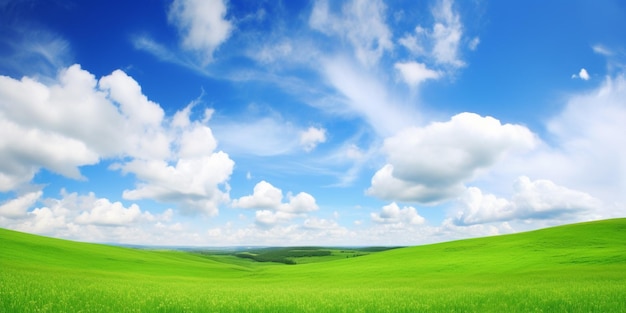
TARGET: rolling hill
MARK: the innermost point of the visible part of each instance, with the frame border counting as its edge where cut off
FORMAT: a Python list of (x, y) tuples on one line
[(578, 267)]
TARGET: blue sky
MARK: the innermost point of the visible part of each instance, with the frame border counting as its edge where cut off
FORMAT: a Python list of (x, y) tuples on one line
[(225, 123)]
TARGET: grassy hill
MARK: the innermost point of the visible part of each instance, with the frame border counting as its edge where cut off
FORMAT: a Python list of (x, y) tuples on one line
[(573, 268)]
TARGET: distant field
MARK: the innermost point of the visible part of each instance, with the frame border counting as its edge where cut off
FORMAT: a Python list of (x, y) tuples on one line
[(573, 268), (294, 255)]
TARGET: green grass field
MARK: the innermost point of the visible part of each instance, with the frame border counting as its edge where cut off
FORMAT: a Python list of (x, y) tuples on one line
[(573, 268)]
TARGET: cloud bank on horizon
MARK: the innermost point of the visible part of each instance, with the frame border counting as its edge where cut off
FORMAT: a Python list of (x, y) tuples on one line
[(327, 123)]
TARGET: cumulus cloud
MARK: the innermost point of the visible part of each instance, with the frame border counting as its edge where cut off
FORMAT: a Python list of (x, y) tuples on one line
[(106, 213), (392, 214), (18, 207), (88, 217), (47, 126), (539, 199), (300, 203), (310, 138), (76, 120), (264, 196), (268, 201), (361, 23), (196, 184), (143, 118), (414, 73), (385, 185), (431, 163), (78, 112), (202, 25)]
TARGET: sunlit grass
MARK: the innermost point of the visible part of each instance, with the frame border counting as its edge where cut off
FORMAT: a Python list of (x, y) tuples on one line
[(578, 268)]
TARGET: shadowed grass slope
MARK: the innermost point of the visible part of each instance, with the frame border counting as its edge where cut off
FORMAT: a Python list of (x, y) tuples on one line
[(574, 268)]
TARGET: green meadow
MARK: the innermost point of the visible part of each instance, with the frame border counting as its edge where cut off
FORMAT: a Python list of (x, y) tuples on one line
[(572, 268)]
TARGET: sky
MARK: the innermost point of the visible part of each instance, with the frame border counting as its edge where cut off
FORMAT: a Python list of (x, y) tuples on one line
[(278, 123)]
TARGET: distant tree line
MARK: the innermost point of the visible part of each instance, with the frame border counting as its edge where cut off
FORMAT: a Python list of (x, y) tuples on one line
[(281, 255)]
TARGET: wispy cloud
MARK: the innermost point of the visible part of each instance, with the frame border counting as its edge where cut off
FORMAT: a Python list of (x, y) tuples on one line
[(361, 23), (34, 51)]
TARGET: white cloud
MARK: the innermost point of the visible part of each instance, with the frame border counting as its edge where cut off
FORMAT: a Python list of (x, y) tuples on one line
[(414, 73), (264, 196), (392, 214), (271, 53), (367, 96), (267, 218), (590, 149), (89, 218), (125, 91), (539, 199), (25, 150), (431, 163), (385, 185), (74, 121), (202, 25), (195, 184), (582, 74), (18, 207), (268, 200), (441, 43), (310, 138), (60, 127), (300, 203), (106, 213), (46, 221), (362, 24), (602, 50), (144, 137), (166, 54), (447, 33), (193, 138), (264, 136)]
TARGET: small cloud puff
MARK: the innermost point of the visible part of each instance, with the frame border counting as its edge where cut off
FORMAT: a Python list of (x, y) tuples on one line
[(392, 214), (582, 74), (310, 138), (202, 25), (414, 73), (268, 200)]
